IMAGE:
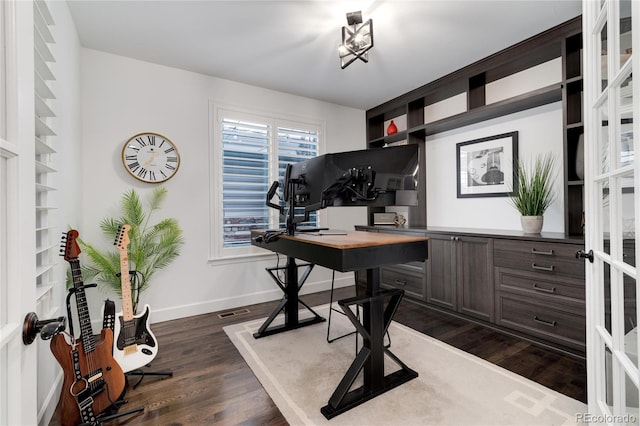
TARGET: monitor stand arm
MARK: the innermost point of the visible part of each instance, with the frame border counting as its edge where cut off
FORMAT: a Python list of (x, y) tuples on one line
[(362, 178), (292, 220)]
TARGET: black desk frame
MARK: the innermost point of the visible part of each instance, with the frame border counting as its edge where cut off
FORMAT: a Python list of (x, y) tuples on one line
[(379, 307), (370, 359), (290, 300)]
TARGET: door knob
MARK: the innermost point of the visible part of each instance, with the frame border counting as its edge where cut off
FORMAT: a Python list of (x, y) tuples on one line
[(581, 254), (47, 328)]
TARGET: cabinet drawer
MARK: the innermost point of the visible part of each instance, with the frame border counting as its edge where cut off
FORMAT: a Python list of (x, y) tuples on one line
[(559, 324), (400, 277), (542, 257), (541, 286)]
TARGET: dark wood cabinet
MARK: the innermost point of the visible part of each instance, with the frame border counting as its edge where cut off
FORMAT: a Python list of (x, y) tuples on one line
[(530, 285), (441, 272), (460, 274), (408, 276), (540, 290)]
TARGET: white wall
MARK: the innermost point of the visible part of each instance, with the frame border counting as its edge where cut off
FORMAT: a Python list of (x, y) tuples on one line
[(539, 130), (121, 97)]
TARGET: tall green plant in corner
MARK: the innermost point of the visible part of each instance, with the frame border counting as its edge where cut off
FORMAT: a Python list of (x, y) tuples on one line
[(152, 246)]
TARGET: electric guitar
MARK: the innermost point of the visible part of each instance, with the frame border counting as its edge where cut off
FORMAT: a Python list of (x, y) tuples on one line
[(93, 380), (135, 344)]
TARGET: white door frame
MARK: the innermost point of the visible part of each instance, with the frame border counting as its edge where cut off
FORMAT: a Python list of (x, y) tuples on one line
[(18, 363), (612, 363)]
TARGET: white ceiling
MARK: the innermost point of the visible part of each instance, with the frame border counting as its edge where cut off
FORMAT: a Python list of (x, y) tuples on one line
[(291, 46)]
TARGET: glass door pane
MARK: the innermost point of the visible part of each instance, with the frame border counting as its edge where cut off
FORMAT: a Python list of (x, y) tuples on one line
[(630, 315), (625, 39), (603, 66)]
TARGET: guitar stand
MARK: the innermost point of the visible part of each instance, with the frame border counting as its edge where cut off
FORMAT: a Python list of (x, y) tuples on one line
[(139, 371), (100, 418), (289, 302)]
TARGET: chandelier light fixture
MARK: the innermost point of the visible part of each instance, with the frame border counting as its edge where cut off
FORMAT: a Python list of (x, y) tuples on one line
[(357, 39)]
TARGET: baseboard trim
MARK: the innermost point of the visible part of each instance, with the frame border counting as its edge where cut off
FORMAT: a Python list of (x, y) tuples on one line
[(45, 414), (209, 306)]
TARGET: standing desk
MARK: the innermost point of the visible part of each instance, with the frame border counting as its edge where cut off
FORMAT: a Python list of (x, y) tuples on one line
[(357, 250)]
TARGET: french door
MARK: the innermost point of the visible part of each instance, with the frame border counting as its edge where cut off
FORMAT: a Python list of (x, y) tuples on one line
[(18, 381), (611, 102)]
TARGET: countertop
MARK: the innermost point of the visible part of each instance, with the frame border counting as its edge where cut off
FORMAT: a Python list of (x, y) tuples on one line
[(475, 232)]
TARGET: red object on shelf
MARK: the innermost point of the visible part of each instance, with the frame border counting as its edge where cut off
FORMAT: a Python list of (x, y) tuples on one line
[(391, 129)]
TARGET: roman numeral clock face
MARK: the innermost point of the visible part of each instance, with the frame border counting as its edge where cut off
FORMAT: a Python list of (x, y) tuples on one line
[(150, 157)]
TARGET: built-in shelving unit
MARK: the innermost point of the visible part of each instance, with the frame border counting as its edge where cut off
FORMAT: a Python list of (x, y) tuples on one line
[(465, 96)]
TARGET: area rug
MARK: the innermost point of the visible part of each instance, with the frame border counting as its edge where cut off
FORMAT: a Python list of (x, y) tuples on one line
[(300, 370)]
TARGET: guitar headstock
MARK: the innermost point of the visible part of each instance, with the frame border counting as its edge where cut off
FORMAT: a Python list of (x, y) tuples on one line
[(122, 237), (70, 249)]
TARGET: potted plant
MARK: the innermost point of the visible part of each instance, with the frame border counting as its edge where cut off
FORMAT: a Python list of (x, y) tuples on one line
[(151, 247), (533, 192)]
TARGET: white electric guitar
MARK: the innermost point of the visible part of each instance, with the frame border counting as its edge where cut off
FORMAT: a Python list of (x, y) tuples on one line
[(134, 343)]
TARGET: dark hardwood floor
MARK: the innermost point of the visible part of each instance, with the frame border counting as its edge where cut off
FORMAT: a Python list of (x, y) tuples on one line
[(211, 383)]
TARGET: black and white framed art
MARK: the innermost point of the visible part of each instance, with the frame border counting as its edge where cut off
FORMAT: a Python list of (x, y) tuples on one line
[(486, 167)]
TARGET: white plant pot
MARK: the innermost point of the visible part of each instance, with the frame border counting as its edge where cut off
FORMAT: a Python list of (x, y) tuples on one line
[(531, 224)]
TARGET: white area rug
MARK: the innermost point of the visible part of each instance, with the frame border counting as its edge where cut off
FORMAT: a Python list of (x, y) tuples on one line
[(300, 371)]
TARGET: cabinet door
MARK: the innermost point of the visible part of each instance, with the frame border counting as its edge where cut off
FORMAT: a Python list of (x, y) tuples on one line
[(441, 271), (475, 277)]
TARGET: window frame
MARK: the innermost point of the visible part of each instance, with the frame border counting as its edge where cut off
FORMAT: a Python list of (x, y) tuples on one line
[(217, 252)]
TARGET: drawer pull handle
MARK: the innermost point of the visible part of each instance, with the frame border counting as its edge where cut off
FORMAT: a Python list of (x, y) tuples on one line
[(545, 322), (401, 283), (544, 290), (546, 253), (543, 268)]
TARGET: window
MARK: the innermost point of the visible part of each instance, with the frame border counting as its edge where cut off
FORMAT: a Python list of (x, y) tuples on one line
[(251, 152)]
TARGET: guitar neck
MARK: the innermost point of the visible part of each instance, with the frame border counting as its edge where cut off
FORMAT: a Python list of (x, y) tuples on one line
[(84, 319), (125, 286)]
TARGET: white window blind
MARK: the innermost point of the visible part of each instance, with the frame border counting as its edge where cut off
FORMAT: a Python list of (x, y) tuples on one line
[(47, 230), (245, 180), (295, 145), (255, 151)]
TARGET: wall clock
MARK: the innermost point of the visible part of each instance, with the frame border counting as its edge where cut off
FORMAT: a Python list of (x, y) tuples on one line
[(150, 157)]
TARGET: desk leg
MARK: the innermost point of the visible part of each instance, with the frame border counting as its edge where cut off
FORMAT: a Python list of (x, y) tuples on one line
[(289, 302), (376, 320)]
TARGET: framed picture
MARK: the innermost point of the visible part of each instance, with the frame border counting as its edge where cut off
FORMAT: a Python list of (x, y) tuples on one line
[(486, 167)]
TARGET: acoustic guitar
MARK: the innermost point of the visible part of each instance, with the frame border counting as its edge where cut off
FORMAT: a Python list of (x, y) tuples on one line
[(135, 344), (93, 380)]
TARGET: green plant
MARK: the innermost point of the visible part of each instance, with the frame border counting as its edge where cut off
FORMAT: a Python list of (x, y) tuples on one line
[(533, 192), (151, 247)]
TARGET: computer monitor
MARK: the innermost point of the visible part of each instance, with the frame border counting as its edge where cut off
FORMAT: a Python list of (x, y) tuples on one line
[(370, 177)]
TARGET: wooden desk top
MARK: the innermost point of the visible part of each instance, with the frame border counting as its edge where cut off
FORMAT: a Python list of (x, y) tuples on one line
[(355, 250), (354, 239)]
